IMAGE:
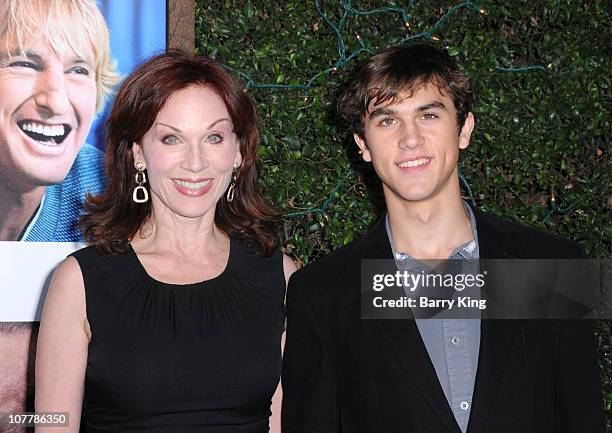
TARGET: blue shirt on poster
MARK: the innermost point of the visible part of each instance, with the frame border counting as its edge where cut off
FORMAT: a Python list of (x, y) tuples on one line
[(57, 217)]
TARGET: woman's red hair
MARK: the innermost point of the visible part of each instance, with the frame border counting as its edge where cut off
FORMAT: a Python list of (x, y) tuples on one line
[(113, 218)]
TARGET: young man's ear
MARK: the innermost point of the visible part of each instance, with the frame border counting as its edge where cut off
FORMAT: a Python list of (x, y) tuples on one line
[(363, 147), (466, 131)]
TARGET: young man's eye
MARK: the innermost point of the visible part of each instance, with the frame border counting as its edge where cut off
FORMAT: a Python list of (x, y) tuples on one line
[(214, 138), (170, 139), (387, 121), (25, 64), (429, 116)]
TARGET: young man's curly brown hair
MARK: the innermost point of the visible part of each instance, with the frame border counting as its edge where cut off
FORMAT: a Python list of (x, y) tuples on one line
[(400, 70)]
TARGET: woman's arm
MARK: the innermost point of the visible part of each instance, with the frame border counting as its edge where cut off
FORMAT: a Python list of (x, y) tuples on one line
[(61, 355), (275, 426)]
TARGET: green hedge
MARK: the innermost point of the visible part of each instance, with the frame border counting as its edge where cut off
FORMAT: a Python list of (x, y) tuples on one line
[(539, 154)]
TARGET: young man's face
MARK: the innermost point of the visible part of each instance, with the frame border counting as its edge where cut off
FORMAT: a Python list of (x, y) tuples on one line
[(47, 105), (414, 144)]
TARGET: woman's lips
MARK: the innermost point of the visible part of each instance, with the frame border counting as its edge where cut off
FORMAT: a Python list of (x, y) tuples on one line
[(193, 188)]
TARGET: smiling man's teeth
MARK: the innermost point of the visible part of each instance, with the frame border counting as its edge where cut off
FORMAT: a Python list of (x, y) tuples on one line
[(49, 131), (48, 135), (414, 163), (192, 185)]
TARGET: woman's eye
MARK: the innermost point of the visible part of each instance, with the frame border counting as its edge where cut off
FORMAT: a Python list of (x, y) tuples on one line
[(214, 138), (170, 139)]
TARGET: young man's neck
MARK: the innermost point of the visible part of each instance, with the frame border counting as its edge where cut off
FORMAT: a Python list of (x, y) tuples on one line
[(17, 209), (428, 229)]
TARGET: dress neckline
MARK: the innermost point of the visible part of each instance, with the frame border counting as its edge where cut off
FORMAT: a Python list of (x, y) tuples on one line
[(223, 273)]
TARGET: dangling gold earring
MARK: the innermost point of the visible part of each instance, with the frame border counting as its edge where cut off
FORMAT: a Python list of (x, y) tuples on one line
[(141, 179), (230, 191)]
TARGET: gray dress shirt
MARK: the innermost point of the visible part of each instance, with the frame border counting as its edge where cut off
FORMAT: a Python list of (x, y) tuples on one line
[(452, 344)]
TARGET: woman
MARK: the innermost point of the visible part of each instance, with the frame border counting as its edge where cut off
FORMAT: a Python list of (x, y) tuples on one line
[(171, 320)]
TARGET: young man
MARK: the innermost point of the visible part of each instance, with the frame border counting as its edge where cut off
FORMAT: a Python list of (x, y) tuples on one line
[(55, 73), (410, 109)]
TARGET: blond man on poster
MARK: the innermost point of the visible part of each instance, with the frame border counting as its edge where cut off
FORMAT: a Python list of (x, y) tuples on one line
[(55, 74)]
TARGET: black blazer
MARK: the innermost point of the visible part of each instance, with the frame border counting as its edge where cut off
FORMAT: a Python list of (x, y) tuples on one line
[(344, 374)]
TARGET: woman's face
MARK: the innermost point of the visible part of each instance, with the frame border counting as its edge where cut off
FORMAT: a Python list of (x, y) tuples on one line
[(189, 153)]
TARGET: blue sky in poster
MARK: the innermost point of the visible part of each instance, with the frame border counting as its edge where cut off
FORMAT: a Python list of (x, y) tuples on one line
[(137, 31)]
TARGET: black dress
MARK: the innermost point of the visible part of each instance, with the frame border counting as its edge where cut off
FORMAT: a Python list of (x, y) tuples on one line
[(202, 357)]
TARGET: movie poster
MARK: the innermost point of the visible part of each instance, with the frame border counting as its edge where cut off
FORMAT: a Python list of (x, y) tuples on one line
[(57, 78)]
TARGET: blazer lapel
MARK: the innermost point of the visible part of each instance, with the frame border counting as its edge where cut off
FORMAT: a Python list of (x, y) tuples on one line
[(493, 239), (404, 339), (497, 336), (402, 335)]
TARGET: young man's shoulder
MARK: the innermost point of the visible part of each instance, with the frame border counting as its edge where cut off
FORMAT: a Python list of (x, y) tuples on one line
[(331, 267), (527, 241)]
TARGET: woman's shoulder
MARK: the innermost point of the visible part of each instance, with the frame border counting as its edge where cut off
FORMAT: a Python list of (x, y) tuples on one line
[(275, 268), (96, 253), (248, 261), (67, 269), (248, 251), (66, 283), (95, 263)]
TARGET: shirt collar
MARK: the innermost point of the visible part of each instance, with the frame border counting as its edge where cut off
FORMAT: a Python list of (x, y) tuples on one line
[(32, 222), (467, 251)]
